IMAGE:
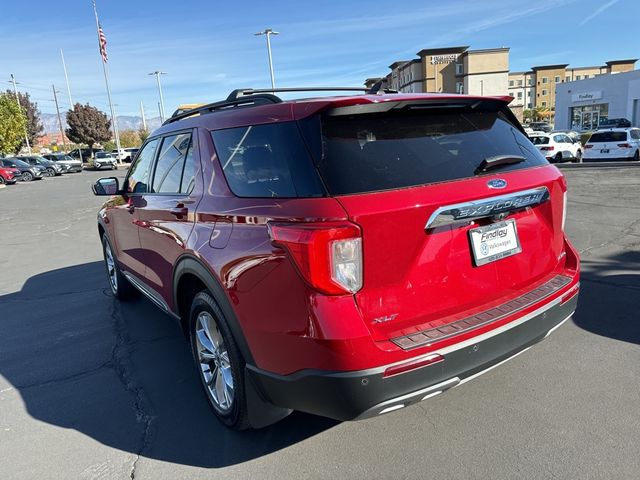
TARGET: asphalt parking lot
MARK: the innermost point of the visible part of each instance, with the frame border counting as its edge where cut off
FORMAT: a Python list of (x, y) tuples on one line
[(94, 389)]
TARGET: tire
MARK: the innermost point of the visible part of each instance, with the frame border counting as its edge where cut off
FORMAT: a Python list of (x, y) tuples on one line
[(120, 286), (224, 389), (636, 156), (557, 158), (27, 176), (2, 182), (51, 172)]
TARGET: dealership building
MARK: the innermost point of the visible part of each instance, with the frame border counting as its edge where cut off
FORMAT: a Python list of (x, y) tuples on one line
[(582, 105)]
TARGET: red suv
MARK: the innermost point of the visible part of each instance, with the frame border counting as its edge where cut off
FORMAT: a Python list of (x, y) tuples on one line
[(9, 175), (344, 256)]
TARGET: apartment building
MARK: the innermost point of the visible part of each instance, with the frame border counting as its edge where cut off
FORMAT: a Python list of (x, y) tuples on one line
[(450, 70), (537, 87)]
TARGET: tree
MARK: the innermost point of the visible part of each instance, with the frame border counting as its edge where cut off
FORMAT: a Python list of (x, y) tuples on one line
[(129, 139), (143, 134), (30, 109), (12, 124), (88, 125)]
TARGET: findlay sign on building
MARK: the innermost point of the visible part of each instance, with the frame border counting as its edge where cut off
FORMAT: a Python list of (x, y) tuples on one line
[(586, 96)]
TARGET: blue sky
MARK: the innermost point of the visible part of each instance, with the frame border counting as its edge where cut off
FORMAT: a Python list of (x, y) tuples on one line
[(208, 47)]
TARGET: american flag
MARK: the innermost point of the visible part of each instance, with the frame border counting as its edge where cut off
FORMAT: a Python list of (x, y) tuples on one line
[(102, 40)]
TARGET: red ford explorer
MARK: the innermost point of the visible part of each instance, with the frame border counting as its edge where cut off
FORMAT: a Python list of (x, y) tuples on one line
[(345, 256)]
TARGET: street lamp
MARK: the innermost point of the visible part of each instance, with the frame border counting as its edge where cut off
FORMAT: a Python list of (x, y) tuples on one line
[(268, 32), (157, 73)]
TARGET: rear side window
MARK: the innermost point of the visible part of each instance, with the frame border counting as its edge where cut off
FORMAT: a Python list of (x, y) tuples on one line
[(382, 151), (267, 161), (601, 137), (171, 164)]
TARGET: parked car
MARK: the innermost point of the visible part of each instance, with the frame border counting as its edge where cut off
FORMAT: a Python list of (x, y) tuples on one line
[(614, 123), (614, 143), (52, 169), (572, 134), (28, 172), (9, 175), (125, 155), (73, 164), (342, 256), (558, 147), (103, 160), (540, 127), (87, 153)]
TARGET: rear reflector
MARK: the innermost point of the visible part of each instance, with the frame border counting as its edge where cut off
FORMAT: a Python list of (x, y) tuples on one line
[(412, 365), (588, 146), (624, 145), (571, 293), (547, 149)]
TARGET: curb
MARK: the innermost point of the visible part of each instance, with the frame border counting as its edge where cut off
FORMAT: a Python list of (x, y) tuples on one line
[(627, 164)]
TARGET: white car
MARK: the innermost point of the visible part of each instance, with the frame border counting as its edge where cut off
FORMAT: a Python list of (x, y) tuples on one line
[(613, 143), (103, 160), (557, 147), (125, 155)]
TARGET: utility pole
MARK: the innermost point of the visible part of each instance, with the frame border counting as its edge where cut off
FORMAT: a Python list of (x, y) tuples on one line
[(144, 120), (26, 134), (157, 74), (268, 32), (55, 99)]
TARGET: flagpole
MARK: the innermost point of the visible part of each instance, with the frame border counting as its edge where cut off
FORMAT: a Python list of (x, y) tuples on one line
[(106, 81), (66, 78)]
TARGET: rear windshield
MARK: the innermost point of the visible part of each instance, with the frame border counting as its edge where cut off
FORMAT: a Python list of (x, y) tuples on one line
[(373, 152), (540, 140), (599, 137)]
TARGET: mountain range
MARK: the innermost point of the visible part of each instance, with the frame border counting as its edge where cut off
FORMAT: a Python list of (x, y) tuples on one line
[(50, 123)]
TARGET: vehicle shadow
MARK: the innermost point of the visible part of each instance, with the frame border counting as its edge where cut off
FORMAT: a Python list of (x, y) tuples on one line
[(608, 303), (121, 373)]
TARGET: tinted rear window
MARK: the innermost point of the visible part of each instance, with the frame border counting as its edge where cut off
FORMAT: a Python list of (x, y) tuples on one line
[(599, 137), (372, 152), (267, 161), (540, 140)]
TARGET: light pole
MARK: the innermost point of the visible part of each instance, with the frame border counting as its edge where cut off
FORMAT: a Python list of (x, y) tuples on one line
[(15, 90), (268, 32), (157, 73)]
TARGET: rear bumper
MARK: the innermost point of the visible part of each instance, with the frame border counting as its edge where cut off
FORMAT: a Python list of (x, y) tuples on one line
[(366, 393)]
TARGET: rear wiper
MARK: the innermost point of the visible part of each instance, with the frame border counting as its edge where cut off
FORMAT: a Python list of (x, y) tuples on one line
[(496, 161)]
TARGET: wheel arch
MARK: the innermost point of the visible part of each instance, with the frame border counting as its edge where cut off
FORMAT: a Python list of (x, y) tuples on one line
[(191, 276)]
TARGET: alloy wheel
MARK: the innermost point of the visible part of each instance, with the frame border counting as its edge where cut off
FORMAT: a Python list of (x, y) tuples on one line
[(215, 366), (27, 177), (111, 268)]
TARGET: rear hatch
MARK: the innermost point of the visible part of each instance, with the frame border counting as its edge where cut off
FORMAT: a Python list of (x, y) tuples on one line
[(608, 144), (412, 177)]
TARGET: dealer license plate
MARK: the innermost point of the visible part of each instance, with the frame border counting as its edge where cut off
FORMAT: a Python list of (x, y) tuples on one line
[(495, 241)]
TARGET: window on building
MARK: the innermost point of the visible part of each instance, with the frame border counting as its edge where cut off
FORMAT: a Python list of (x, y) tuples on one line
[(511, 83), (557, 79), (545, 80), (578, 77), (460, 87), (567, 78), (520, 83), (459, 68), (544, 104), (544, 93), (530, 81), (529, 105)]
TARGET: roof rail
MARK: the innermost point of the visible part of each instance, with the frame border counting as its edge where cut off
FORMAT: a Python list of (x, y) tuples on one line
[(210, 107), (252, 97)]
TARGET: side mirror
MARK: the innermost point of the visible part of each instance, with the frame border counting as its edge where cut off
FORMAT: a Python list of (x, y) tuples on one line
[(106, 186)]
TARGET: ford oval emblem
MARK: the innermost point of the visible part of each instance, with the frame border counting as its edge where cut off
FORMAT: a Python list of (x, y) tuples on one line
[(497, 183)]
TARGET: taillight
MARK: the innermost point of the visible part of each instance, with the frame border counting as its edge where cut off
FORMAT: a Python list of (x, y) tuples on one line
[(624, 145), (547, 149), (564, 209), (328, 255), (588, 146)]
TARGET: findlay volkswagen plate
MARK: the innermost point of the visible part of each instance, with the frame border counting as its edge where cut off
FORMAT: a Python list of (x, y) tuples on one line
[(495, 241)]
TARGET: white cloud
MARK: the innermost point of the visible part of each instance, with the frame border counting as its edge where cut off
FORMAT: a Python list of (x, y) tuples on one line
[(598, 11)]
